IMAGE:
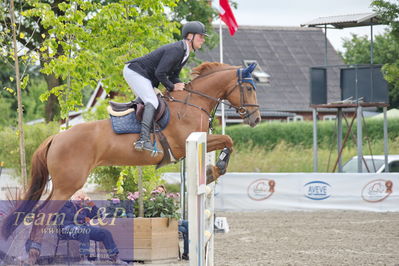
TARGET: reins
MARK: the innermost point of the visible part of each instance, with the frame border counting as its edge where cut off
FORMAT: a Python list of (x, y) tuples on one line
[(241, 110)]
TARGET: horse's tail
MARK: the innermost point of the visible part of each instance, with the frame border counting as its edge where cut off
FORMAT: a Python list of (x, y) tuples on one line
[(39, 177)]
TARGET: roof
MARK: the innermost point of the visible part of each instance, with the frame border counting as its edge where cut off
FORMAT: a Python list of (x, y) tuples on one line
[(345, 21), (286, 54)]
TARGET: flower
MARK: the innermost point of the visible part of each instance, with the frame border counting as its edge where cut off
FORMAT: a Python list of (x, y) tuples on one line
[(156, 204), (173, 195), (115, 200), (156, 191), (133, 196)]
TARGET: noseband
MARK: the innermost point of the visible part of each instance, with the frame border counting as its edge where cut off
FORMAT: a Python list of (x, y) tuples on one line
[(242, 108)]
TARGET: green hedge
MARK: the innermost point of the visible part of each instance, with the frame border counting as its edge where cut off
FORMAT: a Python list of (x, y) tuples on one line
[(268, 135), (34, 136)]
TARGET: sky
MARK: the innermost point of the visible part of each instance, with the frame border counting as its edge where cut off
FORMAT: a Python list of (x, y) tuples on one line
[(297, 12)]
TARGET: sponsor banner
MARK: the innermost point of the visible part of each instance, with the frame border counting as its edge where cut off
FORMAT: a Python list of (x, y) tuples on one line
[(307, 191), (317, 190)]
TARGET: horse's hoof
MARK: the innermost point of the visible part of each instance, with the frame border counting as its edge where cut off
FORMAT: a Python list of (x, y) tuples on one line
[(210, 174), (221, 165), (33, 256)]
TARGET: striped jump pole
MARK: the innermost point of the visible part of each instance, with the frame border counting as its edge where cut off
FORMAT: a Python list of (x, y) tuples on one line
[(200, 202)]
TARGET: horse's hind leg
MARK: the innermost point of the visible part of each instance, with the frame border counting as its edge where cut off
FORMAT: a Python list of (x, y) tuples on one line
[(64, 186), (46, 213)]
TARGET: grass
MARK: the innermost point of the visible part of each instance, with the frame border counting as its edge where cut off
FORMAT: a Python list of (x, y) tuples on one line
[(286, 158), (289, 158)]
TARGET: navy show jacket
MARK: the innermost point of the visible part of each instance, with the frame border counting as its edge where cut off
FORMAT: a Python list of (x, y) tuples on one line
[(162, 65)]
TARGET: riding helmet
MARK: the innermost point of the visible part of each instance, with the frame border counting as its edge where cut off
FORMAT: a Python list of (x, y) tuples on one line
[(193, 27)]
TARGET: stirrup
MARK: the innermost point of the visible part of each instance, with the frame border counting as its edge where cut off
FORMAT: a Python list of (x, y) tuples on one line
[(142, 145), (139, 145)]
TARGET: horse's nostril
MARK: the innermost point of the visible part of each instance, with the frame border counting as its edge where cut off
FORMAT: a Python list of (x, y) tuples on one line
[(257, 120)]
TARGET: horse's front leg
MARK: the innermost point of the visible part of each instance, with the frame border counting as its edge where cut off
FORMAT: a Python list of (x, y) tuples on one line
[(218, 142)]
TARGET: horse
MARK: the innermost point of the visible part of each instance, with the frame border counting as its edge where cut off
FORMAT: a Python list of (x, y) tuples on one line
[(68, 157)]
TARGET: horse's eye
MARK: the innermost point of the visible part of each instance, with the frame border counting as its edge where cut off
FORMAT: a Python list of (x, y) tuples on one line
[(249, 88)]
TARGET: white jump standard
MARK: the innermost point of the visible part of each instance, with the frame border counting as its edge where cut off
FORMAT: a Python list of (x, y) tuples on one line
[(200, 202)]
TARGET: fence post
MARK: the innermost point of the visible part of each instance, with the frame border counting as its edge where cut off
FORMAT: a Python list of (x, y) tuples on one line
[(200, 202)]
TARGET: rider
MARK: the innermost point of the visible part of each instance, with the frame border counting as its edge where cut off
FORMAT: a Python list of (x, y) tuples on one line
[(161, 66)]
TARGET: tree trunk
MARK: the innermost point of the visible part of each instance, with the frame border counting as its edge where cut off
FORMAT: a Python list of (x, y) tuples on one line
[(19, 97), (141, 196), (52, 106)]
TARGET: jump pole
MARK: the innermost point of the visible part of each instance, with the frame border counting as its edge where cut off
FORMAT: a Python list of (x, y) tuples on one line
[(200, 202)]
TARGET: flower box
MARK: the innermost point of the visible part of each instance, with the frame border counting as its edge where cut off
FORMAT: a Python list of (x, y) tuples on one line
[(145, 239), (155, 239)]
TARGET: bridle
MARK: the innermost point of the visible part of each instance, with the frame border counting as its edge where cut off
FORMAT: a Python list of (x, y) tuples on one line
[(242, 109)]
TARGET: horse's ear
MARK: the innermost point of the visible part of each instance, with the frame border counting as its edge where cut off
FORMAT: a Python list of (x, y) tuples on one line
[(248, 70), (251, 67)]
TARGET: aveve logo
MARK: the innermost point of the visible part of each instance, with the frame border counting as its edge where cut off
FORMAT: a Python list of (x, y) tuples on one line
[(377, 190), (317, 190), (261, 189)]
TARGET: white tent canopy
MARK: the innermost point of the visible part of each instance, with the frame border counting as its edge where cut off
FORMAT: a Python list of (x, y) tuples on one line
[(392, 113)]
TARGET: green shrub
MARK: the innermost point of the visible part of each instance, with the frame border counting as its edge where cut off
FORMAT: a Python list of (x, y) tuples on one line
[(122, 179), (34, 136)]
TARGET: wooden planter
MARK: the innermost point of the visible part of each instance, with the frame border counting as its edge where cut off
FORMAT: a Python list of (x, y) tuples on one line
[(152, 239)]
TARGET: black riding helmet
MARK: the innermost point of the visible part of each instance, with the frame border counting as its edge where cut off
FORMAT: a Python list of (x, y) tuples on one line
[(193, 27)]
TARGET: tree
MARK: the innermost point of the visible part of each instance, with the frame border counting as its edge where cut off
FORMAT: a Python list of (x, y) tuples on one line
[(53, 30), (389, 12), (386, 52), (96, 40), (357, 49), (30, 36), (200, 10), (32, 107)]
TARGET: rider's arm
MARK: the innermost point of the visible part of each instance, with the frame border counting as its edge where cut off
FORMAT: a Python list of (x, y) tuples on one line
[(174, 78), (168, 62)]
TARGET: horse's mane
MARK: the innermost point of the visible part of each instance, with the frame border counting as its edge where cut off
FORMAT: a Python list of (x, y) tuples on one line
[(208, 67)]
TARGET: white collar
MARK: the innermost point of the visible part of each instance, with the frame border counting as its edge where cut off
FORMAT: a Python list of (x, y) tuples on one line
[(187, 51)]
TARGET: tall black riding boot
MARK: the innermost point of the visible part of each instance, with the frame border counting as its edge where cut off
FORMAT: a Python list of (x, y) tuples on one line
[(144, 142)]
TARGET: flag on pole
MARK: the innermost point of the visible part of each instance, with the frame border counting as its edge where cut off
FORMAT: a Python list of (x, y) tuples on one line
[(227, 16)]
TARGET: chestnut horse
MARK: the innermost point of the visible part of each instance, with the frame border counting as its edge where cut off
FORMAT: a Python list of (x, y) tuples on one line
[(69, 156)]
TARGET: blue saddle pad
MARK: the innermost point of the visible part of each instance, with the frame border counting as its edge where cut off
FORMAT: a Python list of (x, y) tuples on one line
[(129, 124)]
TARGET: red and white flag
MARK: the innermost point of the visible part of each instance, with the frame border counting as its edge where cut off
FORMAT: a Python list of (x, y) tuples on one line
[(227, 16)]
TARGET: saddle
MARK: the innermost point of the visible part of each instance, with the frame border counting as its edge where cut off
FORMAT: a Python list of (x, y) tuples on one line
[(122, 109), (126, 118)]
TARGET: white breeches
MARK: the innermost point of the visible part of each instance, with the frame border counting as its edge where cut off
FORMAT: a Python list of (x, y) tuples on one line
[(140, 86)]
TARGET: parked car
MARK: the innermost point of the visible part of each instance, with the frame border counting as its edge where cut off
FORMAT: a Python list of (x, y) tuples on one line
[(375, 164)]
